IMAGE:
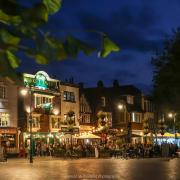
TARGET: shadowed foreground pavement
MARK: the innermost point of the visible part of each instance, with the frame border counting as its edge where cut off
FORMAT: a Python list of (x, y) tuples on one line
[(47, 169)]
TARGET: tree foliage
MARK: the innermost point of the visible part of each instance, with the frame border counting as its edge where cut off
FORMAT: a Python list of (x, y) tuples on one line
[(167, 76), (20, 31)]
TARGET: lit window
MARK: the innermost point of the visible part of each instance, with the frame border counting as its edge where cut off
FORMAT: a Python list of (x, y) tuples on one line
[(69, 96), (55, 122), (4, 119), (103, 101), (136, 117), (42, 100), (36, 122), (2, 92), (130, 99)]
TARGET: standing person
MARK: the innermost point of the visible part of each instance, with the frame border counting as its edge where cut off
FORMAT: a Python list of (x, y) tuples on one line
[(22, 152), (44, 149), (28, 151), (68, 150), (51, 150), (38, 149), (5, 153), (96, 151)]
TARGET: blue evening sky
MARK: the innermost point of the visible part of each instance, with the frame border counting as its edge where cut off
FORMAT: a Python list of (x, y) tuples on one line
[(139, 27)]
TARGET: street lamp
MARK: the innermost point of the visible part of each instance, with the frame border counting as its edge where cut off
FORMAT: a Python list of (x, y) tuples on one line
[(24, 92), (122, 107), (173, 115)]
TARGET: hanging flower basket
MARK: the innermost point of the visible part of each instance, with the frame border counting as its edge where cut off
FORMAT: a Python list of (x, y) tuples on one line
[(70, 118), (70, 114), (70, 122), (101, 115), (162, 132), (103, 123), (146, 131), (102, 118)]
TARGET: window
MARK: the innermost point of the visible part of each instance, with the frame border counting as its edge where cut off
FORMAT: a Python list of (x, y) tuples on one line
[(103, 101), (69, 96), (109, 117), (55, 122), (148, 106), (40, 100), (2, 92), (4, 119), (85, 118), (36, 122), (130, 99), (136, 117), (122, 117)]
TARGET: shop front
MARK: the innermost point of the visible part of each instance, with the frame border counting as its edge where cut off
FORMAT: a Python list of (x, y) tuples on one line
[(9, 138)]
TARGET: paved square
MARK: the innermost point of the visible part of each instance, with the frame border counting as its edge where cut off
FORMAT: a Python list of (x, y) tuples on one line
[(49, 168)]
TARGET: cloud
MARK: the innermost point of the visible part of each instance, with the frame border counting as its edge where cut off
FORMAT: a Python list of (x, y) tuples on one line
[(131, 29), (122, 57)]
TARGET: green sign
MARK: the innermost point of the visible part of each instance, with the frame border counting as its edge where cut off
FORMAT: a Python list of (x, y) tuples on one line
[(41, 81)]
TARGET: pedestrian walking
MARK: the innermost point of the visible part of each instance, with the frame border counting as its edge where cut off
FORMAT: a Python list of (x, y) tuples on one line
[(96, 151)]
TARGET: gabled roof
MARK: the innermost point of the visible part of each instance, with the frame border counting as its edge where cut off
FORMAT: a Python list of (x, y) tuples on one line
[(113, 96)]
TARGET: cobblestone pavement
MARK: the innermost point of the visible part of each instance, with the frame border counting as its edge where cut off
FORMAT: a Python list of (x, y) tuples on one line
[(59, 169)]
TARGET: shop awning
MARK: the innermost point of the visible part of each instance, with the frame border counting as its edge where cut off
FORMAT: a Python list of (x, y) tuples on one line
[(88, 136), (166, 135)]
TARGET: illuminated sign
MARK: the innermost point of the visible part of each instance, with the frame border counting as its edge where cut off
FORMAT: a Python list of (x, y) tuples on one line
[(67, 130), (41, 80)]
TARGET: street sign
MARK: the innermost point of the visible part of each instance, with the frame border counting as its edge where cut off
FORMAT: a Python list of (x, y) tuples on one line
[(67, 130)]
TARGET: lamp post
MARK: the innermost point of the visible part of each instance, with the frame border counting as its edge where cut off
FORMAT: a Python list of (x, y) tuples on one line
[(0, 140), (122, 107), (146, 130), (71, 122), (103, 125), (173, 115), (24, 92)]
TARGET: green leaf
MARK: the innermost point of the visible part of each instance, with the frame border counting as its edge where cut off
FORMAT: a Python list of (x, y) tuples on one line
[(41, 59), (74, 45), (52, 5), (58, 48), (8, 38), (7, 19), (70, 47), (13, 60), (108, 46), (7, 71), (61, 54), (82, 46), (36, 16)]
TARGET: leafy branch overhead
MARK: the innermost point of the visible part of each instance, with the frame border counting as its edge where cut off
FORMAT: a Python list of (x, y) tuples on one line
[(20, 32)]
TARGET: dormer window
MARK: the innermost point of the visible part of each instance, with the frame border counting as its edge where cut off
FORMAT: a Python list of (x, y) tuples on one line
[(103, 101), (130, 99)]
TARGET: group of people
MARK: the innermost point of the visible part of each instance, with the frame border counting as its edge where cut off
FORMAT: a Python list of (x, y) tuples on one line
[(140, 150), (137, 150)]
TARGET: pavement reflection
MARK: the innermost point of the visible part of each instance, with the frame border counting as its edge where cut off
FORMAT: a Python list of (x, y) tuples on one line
[(47, 169)]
